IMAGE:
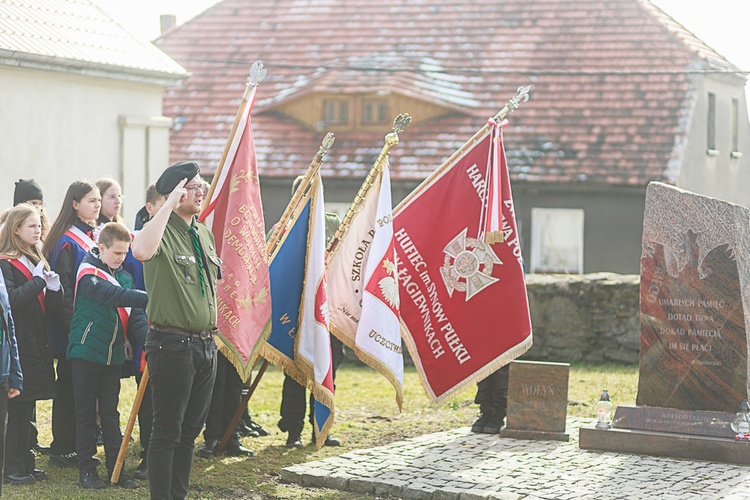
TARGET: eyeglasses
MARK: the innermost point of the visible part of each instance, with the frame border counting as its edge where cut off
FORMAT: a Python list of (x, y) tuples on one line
[(36, 203), (197, 188), (113, 197)]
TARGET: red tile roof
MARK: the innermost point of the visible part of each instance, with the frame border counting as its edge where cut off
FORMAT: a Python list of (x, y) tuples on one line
[(610, 89)]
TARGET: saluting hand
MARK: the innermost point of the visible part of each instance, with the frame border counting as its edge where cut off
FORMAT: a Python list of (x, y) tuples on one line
[(177, 196)]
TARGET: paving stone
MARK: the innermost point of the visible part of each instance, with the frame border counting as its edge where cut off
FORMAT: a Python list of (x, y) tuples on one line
[(361, 485), (392, 488), (445, 465), (503, 495), (337, 482), (447, 493), (290, 476), (314, 478), (417, 492)]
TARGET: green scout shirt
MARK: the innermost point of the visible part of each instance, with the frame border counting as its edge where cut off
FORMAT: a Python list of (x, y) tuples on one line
[(173, 282)]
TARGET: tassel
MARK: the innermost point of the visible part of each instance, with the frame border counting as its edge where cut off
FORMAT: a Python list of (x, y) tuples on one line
[(493, 237)]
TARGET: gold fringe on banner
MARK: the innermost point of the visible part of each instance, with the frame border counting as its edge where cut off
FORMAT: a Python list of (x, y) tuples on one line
[(245, 371), (342, 336), (305, 368), (481, 374), (282, 362), (277, 238)]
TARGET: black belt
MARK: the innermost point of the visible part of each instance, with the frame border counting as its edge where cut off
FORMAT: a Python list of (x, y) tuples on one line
[(203, 334)]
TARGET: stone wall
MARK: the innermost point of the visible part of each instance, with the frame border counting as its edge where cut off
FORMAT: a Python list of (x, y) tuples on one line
[(590, 317)]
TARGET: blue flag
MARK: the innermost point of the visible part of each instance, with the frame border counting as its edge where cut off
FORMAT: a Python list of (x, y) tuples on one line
[(299, 341), (287, 271)]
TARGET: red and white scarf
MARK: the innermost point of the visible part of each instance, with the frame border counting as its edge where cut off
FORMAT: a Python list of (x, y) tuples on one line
[(83, 239), (122, 312), (23, 264)]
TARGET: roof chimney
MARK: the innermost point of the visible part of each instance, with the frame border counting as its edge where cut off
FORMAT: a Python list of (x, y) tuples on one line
[(168, 21)]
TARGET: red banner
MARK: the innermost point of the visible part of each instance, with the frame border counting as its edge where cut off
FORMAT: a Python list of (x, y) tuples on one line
[(235, 216), (463, 301)]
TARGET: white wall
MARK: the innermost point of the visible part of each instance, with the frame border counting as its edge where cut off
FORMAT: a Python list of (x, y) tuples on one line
[(720, 176), (58, 127)]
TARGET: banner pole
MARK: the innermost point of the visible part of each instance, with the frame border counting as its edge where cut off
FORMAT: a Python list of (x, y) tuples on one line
[(129, 428), (278, 229), (241, 409), (399, 125), (513, 104), (257, 74)]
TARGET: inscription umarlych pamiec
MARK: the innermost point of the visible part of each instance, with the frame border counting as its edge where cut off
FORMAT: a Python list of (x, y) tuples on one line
[(695, 299)]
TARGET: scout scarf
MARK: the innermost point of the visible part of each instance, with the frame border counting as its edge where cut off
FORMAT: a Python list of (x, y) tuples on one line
[(122, 312), (24, 266), (82, 239)]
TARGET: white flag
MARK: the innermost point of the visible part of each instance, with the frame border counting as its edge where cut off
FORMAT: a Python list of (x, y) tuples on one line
[(364, 268)]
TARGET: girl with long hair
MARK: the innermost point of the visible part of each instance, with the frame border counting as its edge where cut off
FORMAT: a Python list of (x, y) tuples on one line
[(34, 291), (71, 236)]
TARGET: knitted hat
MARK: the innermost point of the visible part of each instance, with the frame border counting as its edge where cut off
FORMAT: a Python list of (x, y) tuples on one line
[(26, 189)]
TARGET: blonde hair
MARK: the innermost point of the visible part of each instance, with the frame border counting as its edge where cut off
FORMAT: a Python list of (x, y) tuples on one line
[(152, 195), (11, 245), (111, 232)]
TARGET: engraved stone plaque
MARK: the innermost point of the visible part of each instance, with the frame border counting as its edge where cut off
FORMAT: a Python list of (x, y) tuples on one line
[(697, 423), (537, 398), (695, 300)]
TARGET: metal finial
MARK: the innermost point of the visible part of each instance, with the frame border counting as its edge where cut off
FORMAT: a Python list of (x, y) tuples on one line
[(257, 74), (326, 144), (522, 96), (401, 122)]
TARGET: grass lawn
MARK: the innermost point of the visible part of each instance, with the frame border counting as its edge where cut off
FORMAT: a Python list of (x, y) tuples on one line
[(366, 416)]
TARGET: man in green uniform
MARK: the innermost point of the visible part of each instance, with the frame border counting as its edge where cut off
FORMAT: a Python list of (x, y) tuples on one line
[(181, 267)]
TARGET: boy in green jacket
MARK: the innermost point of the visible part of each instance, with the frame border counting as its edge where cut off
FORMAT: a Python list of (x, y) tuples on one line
[(102, 320)]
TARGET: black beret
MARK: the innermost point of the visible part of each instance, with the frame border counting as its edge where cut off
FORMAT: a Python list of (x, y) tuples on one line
[(26, 189), (174, 174)]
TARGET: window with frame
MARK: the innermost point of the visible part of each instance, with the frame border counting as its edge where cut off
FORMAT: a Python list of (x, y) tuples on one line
[(374, 112), (711, 125), (735, 124), (557, 240), (336, 111)]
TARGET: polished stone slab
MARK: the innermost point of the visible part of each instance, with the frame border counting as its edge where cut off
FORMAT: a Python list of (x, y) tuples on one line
[(664, 444), (698, 423), (695, 302), (537, 400)]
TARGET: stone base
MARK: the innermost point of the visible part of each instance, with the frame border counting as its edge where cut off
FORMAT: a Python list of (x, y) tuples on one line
[(663, 444), (535, 435)]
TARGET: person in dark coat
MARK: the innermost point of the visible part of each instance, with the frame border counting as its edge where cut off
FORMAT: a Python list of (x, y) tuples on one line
[(11, 379), (28, 191), (33, 289), (70, 238), (107, 312)]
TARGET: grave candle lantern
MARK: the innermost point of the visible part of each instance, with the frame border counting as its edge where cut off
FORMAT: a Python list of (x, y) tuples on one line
[(603, 411)]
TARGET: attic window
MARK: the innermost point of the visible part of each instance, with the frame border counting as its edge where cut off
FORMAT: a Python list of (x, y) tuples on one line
[(374, 112), (336, 111)]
